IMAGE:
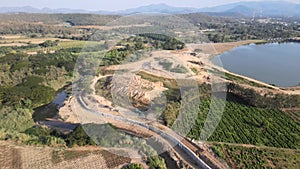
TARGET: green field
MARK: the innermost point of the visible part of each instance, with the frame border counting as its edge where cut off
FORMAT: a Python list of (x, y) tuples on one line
[(249, 125), (295, 114), (256, 157)]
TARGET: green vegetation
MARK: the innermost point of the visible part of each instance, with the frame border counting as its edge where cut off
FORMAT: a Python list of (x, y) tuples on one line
[(60, 25), (232, 29), (168, 65), (17, 120), (49, 43), (17, 103), (222, 29), (269, 100), (43, 136), (79, 137), (133, 166), (194, 70), (171, 113), (102, 88), (33, 136), (293, 113), (156, 162), (27, 95), (255, 157), (108, 136), (236, 79), (174, 96), (163, 41), (28, 82), (249, 125), (179, 69), (135, 46), (115, 56), (249, 118)]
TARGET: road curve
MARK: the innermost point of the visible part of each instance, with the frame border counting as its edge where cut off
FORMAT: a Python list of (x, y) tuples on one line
[(168, 137)]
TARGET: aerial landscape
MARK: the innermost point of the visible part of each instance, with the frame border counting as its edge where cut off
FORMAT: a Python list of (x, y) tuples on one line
[(150, 84)]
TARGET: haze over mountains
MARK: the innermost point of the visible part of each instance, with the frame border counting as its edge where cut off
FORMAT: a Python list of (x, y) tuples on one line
[(262, 8)]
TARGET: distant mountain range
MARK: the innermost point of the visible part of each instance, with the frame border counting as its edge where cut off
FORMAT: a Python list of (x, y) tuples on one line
[(261, 8), (264, 8)]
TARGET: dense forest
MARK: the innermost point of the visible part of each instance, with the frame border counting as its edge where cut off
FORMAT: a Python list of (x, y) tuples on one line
[(226, 29), (60, 25), (28, 82)]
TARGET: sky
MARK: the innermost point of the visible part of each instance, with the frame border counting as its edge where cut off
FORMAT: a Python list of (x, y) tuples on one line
[(113, 5)]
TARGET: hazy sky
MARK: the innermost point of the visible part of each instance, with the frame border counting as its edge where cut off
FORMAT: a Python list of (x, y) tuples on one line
[(113, 4)]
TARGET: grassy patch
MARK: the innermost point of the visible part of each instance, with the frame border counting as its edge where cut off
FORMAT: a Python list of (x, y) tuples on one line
[(246, 157), (194, 70), (249, 125), (102, 88)]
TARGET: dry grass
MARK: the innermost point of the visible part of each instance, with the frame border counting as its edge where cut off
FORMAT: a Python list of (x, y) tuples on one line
[(213, 49), (10, 157), (11, 36), (14, 44), (223, 47), (32, 157), (21, 41)]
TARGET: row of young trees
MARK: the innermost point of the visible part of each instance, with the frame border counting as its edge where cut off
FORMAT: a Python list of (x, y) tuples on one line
[(249, 125)]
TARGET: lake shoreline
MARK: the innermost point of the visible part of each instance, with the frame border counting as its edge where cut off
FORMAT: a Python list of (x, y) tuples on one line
[(232, 45)]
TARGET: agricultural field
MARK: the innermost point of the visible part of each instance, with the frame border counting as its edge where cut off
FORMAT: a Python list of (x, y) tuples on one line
[(20, 156), (112, 160), (249, 125), (295, 114), (239, 156)]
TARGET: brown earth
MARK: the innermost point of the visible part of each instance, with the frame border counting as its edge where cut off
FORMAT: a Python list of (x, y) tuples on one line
[(35, 157)]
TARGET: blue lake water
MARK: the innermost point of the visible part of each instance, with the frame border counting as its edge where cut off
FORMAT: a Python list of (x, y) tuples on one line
[(272, 63)]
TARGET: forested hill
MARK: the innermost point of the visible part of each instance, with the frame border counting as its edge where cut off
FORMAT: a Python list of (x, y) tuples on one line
[(72, 19)]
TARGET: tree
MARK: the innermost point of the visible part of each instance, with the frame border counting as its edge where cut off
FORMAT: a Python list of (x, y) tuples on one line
[(157, 162), (139, 44), (133, 166), (49, 43), (15, 119), (79, 137)]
